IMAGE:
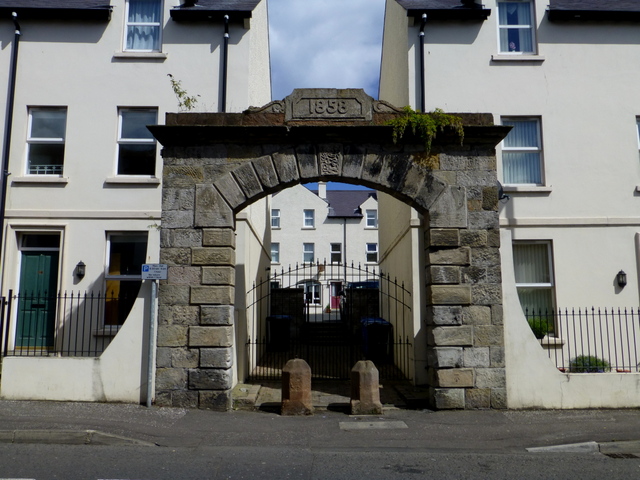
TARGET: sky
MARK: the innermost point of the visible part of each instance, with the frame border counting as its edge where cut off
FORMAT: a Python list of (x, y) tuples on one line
[(325, 44)]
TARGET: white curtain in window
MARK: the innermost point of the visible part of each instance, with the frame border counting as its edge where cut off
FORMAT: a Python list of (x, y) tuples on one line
[(516, 33), (531, 263), (143, 30), (522, 166)]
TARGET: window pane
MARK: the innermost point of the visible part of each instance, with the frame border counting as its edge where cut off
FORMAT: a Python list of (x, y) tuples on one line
[(121, 295), (531, 263), (41, 240), (48, 123), (134, 159), (143, 38), (308, 252), (275, 252), (535, 301), (519, 16), (520, 167), (134, 123), (127, 254), (46, 158), (275, 218), (144, 11), (523, 134), (309, 218)]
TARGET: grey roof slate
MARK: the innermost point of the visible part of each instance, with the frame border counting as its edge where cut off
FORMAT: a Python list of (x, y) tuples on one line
[(57, 9), (595, 5), (446, 9), (204, 9), (345, 203)]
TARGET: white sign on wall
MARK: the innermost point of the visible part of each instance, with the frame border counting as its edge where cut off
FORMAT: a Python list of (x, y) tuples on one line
[(154, 271)]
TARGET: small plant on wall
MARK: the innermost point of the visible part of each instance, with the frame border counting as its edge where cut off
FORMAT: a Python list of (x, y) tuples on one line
[(588, 364), (186, 103), (425, 125), (540, 326)]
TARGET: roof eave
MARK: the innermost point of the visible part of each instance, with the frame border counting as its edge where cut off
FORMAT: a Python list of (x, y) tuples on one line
[(196, 14), (25, 13), (479, 14), (562, 15)]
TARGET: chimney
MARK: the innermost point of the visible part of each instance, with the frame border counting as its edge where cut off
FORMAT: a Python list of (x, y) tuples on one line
[(322, 190)]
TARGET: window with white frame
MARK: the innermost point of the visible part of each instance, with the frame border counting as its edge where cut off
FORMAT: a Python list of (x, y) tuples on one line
[(136, 145), (522, 152), (275, 218), (533, 266), (45, 140), (516, 27), (126, 253), (336, 253), (372, 252), (309, 218), (312, 291), (275, 253), (308, 252), (143, 25), (372, 218)]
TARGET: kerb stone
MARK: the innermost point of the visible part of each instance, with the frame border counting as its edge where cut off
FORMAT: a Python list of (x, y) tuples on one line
[(296, 388), (365, 389)]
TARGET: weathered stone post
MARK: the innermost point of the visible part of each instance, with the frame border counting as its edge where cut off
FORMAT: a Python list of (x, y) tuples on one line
[(296, 388), (365, 389)]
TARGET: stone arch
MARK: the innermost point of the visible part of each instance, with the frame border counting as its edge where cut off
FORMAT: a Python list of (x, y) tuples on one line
[(217, 164)]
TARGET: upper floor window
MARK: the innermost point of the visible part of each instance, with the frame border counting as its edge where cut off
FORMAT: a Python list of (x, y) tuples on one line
[(336, 252), (372, 252), (309, 218), (143, 25), (45, 141), (308, 252), (372, 218), (136, 145), (275, 218), (275, 253), (522, 152), (516, 27)]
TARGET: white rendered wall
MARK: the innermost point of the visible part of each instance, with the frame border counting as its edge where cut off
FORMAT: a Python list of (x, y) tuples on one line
[(118, 375)]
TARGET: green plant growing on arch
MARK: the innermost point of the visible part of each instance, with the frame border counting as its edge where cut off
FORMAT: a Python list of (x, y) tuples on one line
[(425, 125)]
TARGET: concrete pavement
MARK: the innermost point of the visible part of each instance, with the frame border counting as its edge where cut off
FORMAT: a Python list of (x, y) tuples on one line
[(612, 432)]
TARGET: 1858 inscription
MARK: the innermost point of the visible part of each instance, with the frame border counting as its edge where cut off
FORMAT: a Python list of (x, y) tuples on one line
[(314, 104)]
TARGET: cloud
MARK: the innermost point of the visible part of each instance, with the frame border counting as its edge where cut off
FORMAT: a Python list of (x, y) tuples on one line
[(325, 44)]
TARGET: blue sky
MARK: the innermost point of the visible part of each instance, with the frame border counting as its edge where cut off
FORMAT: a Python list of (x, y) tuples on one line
[(325, 44)]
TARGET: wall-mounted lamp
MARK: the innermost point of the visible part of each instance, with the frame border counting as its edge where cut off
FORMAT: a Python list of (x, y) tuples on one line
[(621, 278), (81, 269)]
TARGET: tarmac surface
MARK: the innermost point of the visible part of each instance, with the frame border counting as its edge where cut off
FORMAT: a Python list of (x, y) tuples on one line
[(611, 432)]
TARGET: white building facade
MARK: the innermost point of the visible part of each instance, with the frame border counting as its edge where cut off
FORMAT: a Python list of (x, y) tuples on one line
[(336, 228), (562, 74), (83, 197)]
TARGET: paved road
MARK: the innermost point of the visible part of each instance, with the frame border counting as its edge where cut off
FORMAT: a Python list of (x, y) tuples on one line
[(46, 440)]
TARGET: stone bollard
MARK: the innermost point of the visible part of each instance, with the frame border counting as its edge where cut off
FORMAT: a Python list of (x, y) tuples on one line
[(296, 388), (365, 389)]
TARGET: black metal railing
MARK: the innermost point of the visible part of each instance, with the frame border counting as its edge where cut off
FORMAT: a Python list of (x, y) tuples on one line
[(331, 315), (66, 324), (589, 340)]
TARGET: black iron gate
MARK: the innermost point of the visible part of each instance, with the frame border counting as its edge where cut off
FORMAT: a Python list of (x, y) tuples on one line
[(330, 315)]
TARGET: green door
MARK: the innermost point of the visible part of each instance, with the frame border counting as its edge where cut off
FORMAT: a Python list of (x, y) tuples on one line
[(37, 303)]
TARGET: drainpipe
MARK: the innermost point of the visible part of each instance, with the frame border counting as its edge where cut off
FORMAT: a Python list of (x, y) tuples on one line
[(225, 55), (8, 124), (422, 73)]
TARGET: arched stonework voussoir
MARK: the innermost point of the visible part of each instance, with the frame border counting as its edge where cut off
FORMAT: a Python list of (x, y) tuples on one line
[(217, 164), (393, 172)]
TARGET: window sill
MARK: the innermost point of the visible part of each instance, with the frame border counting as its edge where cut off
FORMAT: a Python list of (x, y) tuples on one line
[(141, 55), (132, 180), (40, 179), (551, 342), (308, 228), (517, 58), (526, 189)]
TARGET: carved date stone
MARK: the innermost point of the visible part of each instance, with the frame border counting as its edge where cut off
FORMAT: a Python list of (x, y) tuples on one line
[(328, 104)]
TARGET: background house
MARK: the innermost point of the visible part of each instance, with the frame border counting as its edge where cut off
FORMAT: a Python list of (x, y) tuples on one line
[(324, 226), (561, 73), (83, 199)]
